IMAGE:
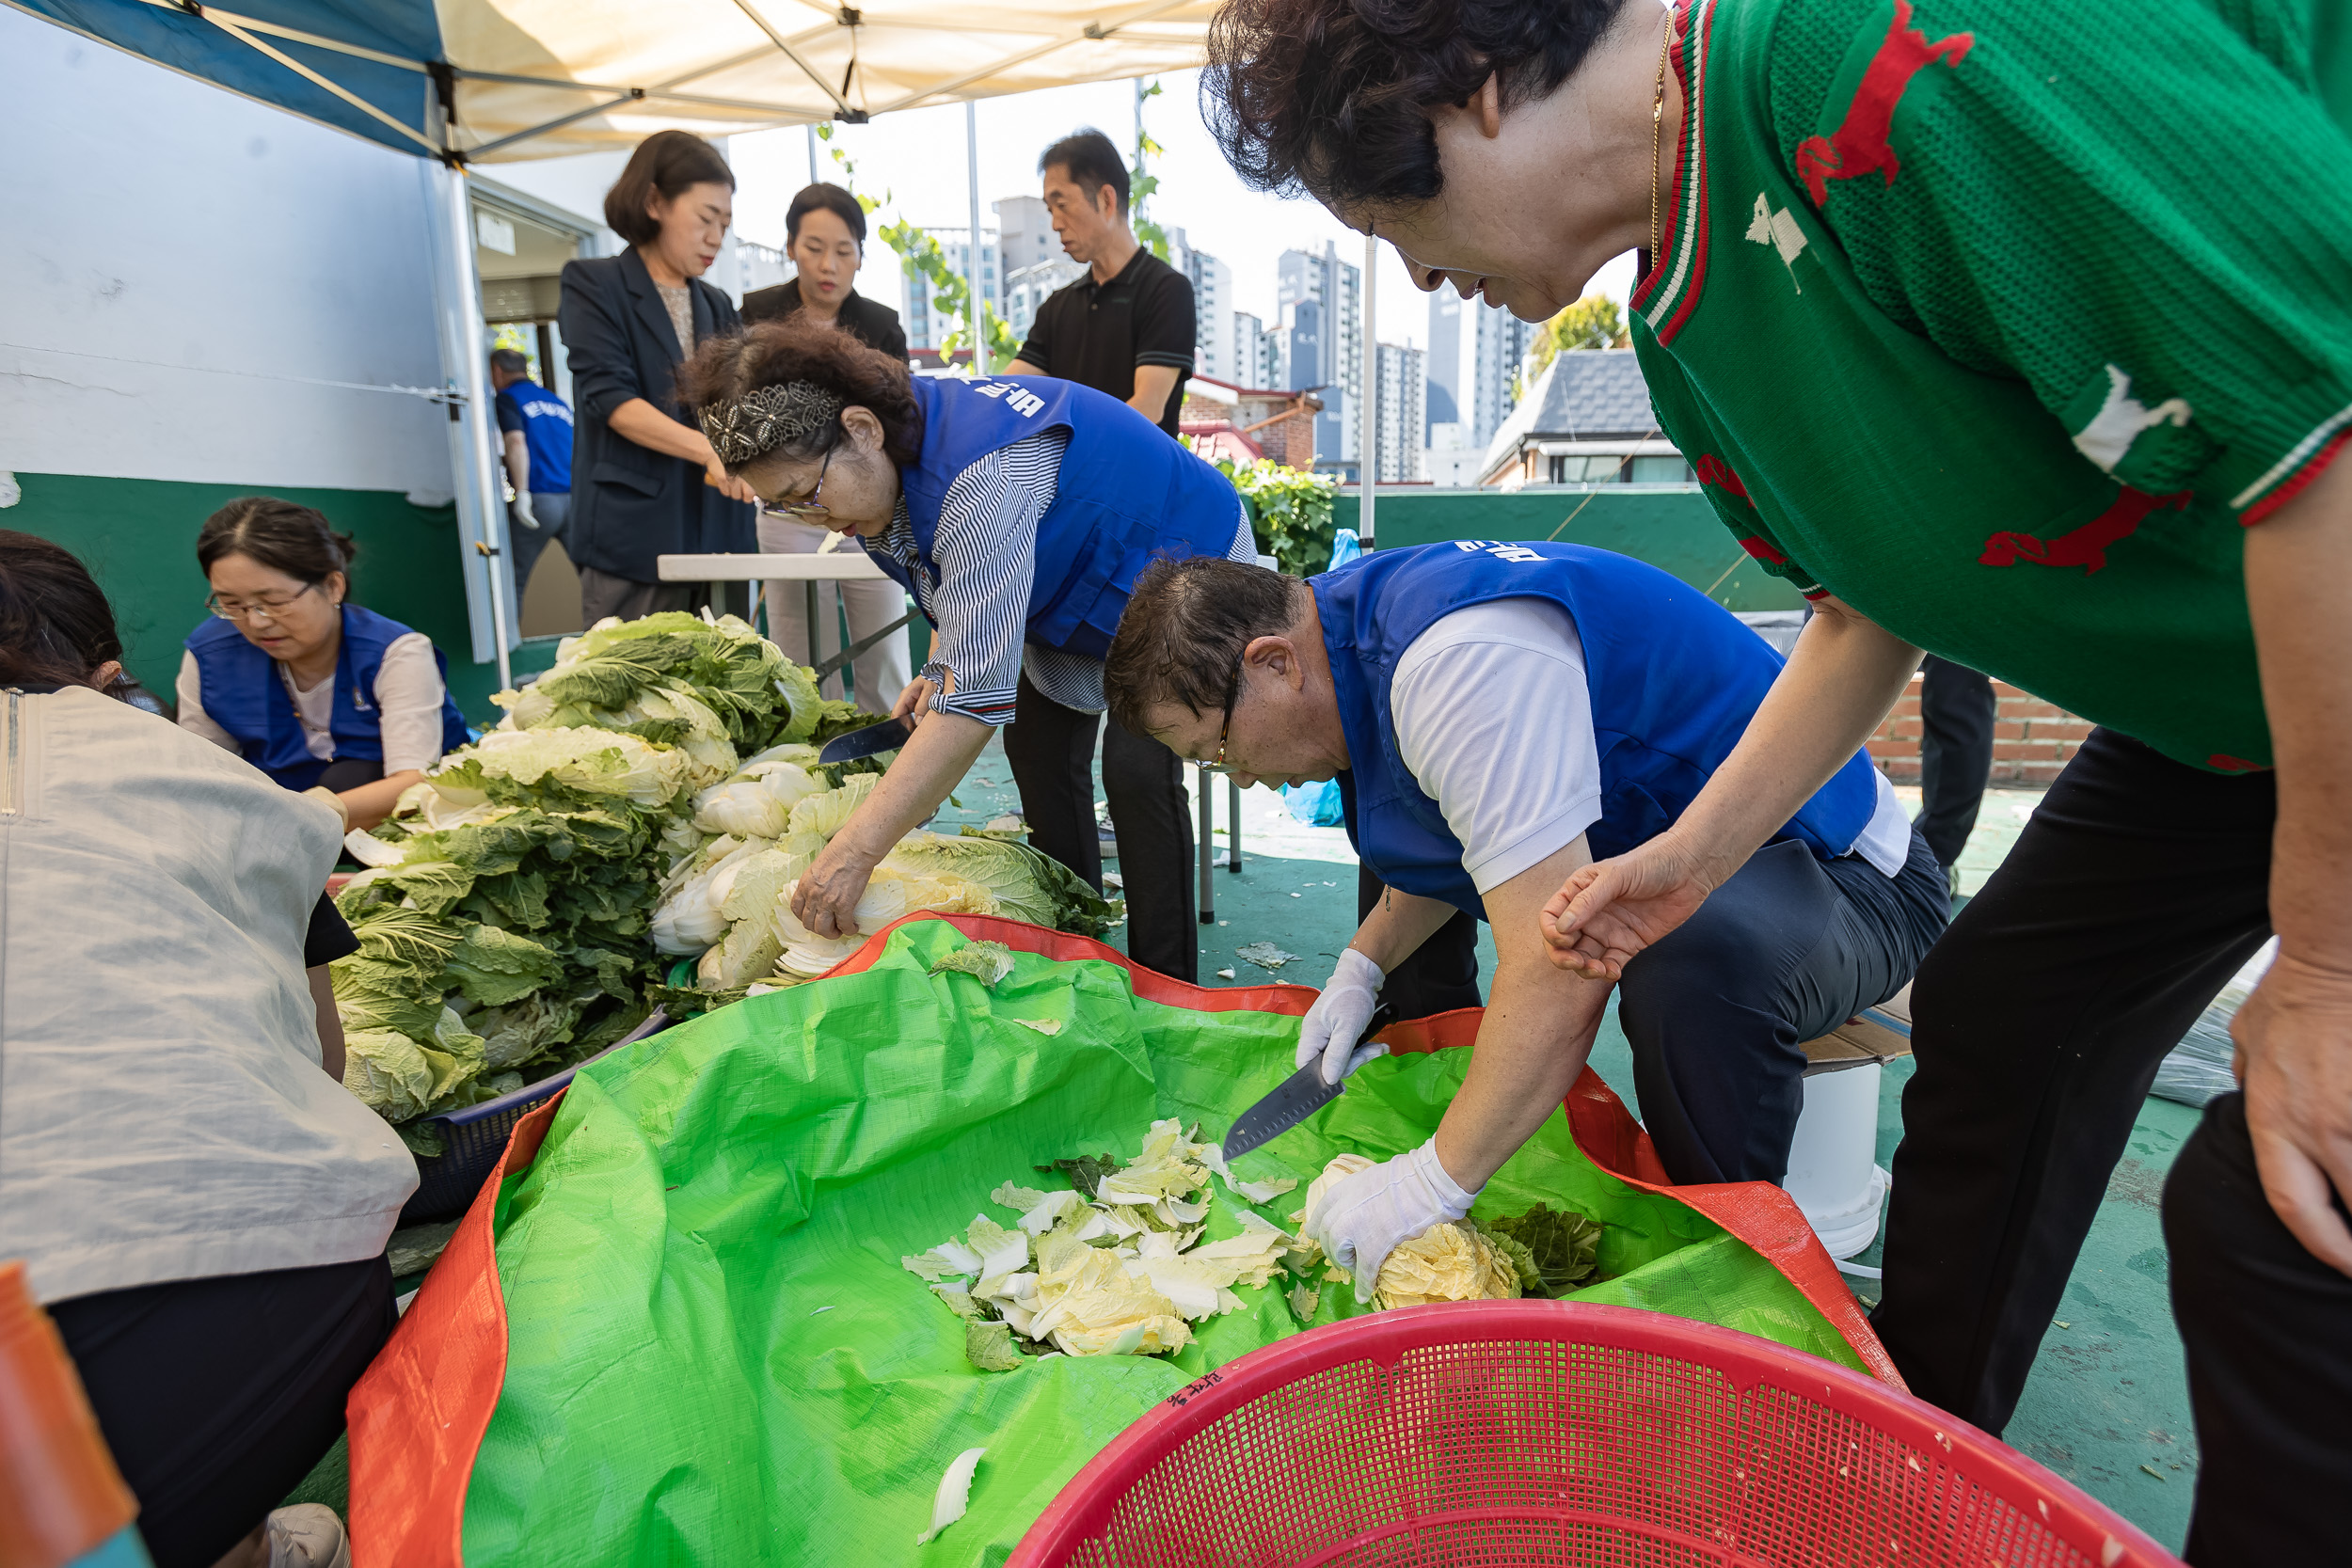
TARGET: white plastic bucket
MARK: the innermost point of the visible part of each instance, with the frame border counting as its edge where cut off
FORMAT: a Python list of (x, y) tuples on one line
[(1833, 1171)]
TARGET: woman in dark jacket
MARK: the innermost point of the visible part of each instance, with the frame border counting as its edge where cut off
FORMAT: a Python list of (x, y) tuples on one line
[(825, 236), (645, 482)]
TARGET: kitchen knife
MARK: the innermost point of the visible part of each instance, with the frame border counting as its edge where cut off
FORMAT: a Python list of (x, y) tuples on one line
[(1295, 1098), (888, 736)]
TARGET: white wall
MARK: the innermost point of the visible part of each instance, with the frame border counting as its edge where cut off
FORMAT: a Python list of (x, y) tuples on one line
[(210, 250)]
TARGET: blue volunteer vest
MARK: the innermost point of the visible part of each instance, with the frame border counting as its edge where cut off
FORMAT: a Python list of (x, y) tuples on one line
[(243, 692), (1674, 680), (1126, 495)]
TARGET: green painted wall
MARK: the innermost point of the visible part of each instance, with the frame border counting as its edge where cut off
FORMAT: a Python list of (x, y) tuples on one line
[(1673, 529), (137, 537)]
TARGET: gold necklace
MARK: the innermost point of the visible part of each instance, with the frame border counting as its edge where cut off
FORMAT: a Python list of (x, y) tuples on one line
[(1657, 125)]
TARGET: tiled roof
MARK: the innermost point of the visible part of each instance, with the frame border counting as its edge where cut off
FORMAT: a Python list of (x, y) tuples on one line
[(1593, 394), (1584, 395)]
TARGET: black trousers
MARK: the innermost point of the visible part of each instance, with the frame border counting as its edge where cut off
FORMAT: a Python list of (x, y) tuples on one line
[(1718, 1013), (2268, 1329), (1051, 751), (217, 1396), (1956, 712), (2137, 888)]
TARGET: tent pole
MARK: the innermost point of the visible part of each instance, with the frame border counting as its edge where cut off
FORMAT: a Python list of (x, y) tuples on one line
[(1368, 421), (972, 260), (812, 152), (480, 510)]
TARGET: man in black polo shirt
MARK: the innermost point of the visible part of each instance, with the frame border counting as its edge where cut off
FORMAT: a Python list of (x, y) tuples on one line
[(1126, 328)]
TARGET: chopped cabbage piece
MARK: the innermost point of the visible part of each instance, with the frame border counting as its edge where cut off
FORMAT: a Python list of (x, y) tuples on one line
[(955, 1493)]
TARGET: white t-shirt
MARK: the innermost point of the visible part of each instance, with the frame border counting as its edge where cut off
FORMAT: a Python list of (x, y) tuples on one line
[(408, 693), (1495, 722)]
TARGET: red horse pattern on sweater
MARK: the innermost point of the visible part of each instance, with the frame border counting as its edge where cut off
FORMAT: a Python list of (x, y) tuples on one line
[(1859, 145), (2085, 546)]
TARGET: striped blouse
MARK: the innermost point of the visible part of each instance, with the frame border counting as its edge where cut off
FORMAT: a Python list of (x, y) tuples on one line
[(986, 549)]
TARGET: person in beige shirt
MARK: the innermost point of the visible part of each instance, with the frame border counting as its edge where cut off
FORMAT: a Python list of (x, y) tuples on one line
[(201, 1204)]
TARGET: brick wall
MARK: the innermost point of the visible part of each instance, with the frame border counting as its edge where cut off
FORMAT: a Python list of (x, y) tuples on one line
[(2031, 740)]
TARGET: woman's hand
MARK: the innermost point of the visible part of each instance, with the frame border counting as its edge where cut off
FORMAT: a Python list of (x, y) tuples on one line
[(915, 701), (2293, 1055), (825, 898), (1609, 912), (715, 475)]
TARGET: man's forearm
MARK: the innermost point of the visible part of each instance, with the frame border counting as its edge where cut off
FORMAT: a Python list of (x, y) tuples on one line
[(2299, 588), (517, 464), (1842, 679), (1532, 1042), (1154, 384), (1397, 927)]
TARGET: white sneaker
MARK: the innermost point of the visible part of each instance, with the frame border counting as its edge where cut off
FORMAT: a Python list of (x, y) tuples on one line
[(307, 1535)]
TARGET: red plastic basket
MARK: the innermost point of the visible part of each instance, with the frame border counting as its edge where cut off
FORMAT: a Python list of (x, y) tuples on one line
[(1520, 1432)]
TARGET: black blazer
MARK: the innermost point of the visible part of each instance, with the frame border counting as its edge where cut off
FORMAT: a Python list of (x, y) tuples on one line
[(630, 503), (870, 322)]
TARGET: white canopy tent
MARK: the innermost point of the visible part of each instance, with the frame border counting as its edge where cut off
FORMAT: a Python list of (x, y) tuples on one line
[(463, 82)]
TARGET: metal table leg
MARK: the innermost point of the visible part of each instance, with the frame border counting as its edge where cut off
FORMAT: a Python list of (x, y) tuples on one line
[(812, 622), (1208, 851), (1233, 823)]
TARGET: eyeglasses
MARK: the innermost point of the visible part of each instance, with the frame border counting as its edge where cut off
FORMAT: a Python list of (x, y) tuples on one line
[(238, 609), (809, 508), (1233, 695)]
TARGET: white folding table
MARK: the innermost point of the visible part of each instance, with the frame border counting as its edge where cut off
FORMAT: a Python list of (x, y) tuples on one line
[(809, 568)]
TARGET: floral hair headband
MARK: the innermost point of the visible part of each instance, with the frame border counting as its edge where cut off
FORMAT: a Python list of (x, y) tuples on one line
[(767, 418)]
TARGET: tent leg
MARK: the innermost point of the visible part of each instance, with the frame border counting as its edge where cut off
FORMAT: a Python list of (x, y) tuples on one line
[(1368, 427), (972, 258), (473, 459), (1233, 823), (1208, 851)]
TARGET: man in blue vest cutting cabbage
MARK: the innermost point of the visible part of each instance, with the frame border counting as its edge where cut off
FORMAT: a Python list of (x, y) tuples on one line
[(1017, 510), (1496, 717)]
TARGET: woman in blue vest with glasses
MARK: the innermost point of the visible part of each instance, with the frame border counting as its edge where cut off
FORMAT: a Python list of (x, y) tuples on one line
[(312, 689), (1018, 512), (1496, 717)]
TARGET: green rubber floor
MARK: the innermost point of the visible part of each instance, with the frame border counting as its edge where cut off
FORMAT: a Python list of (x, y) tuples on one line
[(2107, 1405)]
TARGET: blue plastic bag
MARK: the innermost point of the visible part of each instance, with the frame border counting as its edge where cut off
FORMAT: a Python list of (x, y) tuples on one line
[(1315, 804)]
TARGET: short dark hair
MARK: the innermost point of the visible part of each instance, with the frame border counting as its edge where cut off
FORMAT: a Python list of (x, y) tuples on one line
[(800, 349), (668, 162), (510, 360), (55, 625), (279, 534), (1331, 98), (1181, 636), (1091, 161), (829, 198)]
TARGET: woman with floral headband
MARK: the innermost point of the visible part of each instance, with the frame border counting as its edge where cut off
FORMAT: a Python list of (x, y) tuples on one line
[(1018, 512)]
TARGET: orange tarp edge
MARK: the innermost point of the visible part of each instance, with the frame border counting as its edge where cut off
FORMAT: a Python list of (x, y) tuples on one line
[(419, 1414)]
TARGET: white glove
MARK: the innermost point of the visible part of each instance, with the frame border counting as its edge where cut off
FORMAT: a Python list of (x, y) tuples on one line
[(523, 514), (1335, 1021), (1361, 1221)]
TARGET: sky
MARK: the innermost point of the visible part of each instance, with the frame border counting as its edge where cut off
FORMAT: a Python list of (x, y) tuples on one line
[(919, 158)]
